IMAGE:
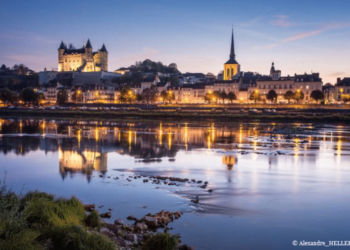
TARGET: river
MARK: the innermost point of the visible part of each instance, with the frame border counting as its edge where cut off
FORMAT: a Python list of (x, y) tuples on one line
[(268, 183)]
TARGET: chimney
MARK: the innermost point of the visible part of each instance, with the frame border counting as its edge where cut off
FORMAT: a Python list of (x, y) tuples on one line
[(338, 80)]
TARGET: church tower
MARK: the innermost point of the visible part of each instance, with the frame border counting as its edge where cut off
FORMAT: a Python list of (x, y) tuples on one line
[(231, 67)]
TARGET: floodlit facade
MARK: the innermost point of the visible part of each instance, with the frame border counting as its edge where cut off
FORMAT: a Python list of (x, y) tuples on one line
[(83, 59)]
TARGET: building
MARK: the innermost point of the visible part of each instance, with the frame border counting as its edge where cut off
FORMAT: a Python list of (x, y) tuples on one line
[(191, 78), (305, 83), (83, 59), (329, 93), (232, 68), (342, 88)]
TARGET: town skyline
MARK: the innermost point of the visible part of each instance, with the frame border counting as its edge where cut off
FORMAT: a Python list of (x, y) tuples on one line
[(295, 42)]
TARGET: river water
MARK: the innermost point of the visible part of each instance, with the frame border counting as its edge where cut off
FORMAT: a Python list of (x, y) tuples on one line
[(271, 183)]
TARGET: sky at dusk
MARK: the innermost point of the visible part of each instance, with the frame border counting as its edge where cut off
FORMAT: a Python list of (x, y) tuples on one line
[(299, 36)]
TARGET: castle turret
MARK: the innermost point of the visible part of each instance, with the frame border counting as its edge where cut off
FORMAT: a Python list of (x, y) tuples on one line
[(60, 56), (103, 58), (88, 50)]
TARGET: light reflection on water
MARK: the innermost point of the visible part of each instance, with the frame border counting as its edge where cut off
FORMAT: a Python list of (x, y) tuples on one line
[(268, 189)]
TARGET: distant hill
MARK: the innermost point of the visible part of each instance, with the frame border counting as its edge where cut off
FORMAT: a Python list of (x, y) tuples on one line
[(148, 66)]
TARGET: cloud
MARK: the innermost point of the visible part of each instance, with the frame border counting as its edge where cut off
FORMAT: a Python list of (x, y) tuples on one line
[(281, 21), (335, 74), (302, 35)]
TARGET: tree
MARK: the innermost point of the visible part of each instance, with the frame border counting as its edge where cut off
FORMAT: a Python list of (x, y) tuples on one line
[(345, 98), (28, 95), (216, 96), (7, 96), (231, 96), (271, 95), (208, 97), (298, 95), (77, 96), (62, 96), (40, 98), (169, 96), (289, 95), (150, 94), (126, 95), (255, 96), (139, 98), (223, 96), (317, 95), (163, 95)]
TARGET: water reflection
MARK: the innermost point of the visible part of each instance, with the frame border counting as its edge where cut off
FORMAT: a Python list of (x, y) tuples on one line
[(83, 146)]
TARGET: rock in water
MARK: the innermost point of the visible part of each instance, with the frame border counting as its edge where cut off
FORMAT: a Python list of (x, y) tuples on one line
[(150, 221), (106, 215), (130, 217), (119, 222)]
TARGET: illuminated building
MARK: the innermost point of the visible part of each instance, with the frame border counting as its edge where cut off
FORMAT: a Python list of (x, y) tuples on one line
[(229, 161), (232, 67), (83, 59), (85, 162), (342, 89)]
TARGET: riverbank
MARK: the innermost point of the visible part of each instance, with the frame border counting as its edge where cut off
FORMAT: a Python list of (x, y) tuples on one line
[(219, 115), (39, 220)]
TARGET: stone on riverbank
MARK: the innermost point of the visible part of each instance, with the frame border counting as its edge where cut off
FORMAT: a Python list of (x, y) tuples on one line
[(106, 215)]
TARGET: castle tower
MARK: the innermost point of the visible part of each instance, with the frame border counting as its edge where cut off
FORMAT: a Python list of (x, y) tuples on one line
[(88, 50), (103, 58), (89, 67), (60, 57), (232, 67)]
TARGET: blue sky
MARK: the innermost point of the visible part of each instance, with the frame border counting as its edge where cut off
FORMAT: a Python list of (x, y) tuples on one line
[(299, 36)]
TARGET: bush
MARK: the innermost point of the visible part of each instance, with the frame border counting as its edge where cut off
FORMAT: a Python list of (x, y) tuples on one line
[(77, 238), (57, 213), (26, 239), (164, 241), (38, 220), (92, 220)]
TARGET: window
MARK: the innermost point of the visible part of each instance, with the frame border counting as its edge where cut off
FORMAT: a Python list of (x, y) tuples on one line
[(228, 72), (232, 72)]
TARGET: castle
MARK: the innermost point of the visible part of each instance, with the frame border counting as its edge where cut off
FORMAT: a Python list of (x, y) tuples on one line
[(83, 59)]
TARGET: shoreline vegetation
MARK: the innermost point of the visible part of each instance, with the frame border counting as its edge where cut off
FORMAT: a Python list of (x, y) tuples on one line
[(38, 220), (318, 115)]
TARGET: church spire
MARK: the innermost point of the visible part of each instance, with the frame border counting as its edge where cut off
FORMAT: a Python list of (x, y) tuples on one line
[(232, 54)]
